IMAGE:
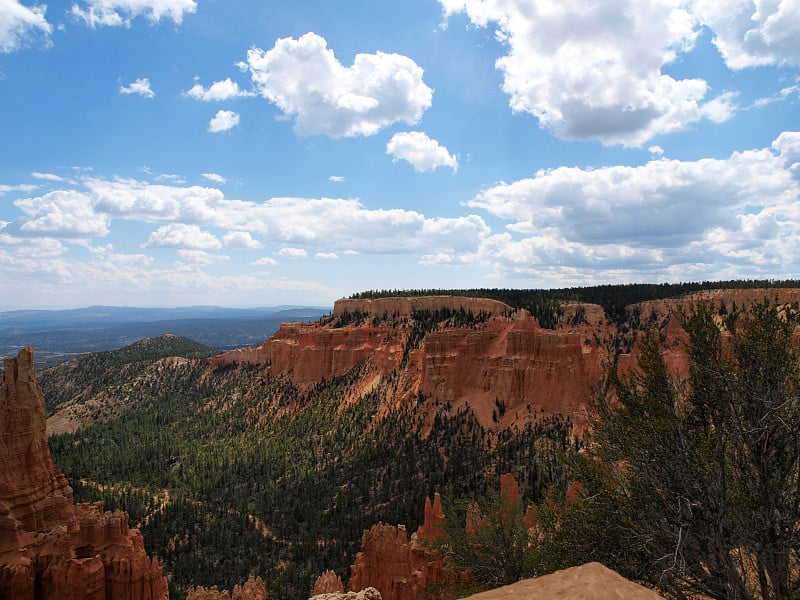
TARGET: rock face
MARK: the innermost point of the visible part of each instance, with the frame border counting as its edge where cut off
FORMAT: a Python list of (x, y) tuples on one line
[(591, 581), (50, 548), (253, 589), (507, 369), (398, 567)]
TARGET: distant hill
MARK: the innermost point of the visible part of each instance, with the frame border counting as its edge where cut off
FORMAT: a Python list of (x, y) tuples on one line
[(98, 386), (58, 335)]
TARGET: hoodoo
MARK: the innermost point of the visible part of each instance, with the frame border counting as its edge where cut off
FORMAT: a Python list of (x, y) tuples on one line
[(49, 547)]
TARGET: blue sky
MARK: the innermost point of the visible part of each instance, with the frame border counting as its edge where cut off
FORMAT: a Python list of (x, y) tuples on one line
[(180, 152)]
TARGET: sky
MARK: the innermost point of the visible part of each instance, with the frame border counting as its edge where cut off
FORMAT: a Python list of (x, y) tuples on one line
[(249, 153)]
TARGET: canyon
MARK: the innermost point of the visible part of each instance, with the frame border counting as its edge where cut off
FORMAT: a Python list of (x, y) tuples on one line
[(407, 369)]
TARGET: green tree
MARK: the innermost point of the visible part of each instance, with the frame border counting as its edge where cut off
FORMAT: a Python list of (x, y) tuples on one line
[(488, 541), (695, 486)]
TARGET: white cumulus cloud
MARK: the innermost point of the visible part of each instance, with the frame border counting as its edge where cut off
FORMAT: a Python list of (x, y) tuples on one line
[(223, 121), (60, 213), (422, 152), (740, 214), (122, 12), (141, 87), (19, 23), (594, 70), (180, 235), (218, 91), (305, 80), (241, 239), (293, 252), (215, 177), (326, 256), (750, 33), (266, 261)]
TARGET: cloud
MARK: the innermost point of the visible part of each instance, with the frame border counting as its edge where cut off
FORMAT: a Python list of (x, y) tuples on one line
[(739, 214), (180, 235), (336, 178), (326, 256), (24, 187), (241, 239), (595, 70), (141, 201), (751, 33), (327, 224), (422, 152), (306, 81), (46, 176), (170, 178), (60, 213), (200, 257), (293, 253), (19, 23), (784, 94), (218, 91), (720, 109), (266, 261), (215, 177), (223, 121), (122, 12), (140, 86)]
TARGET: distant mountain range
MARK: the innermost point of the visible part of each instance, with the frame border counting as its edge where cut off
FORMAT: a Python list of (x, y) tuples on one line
[(58, 335)]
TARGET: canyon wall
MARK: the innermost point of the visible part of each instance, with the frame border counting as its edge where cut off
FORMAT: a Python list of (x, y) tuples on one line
[(507, 369), (49, 547)]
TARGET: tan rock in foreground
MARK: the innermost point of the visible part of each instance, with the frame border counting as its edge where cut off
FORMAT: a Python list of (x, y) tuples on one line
[(591, 581), (369, 593)]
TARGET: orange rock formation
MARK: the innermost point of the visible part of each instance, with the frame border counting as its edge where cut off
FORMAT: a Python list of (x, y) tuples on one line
[(398, 567), (507, 369), (253, 589), (50, 548), (328, 583)]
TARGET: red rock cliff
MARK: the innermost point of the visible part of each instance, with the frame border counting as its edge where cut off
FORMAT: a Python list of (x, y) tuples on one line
[(508, 370), (50, 548)]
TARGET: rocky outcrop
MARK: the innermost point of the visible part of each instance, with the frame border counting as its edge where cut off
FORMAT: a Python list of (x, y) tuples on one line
[(403, 308), (399, 567), (328, 583), (50, 548), (253, 589), (369, 593), (591, 581), (308, 353)]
